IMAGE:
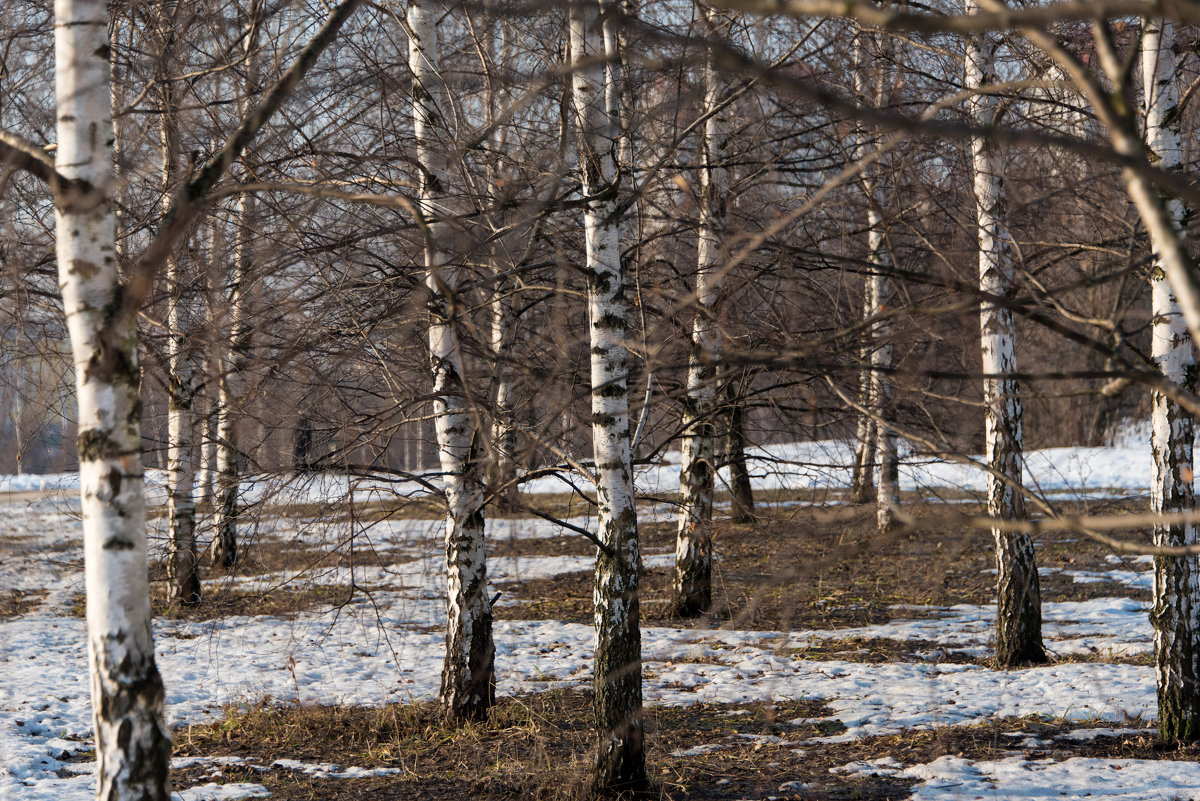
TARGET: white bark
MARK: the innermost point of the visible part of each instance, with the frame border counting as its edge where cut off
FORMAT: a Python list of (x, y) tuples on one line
[(620, 763), (206, 476), (183, 577), (866, 434), (502, 480), (468, 680), (504, 435), (1176, 613), (692, 584), (231, 384), (132, 743), (1019, 616), (879, 295)]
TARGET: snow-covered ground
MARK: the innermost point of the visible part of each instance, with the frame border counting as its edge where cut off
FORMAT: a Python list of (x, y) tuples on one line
[(384, 646)]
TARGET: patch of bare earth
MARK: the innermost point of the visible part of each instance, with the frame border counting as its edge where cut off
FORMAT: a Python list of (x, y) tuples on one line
[(812, 567), (15, 603), (538, 747)]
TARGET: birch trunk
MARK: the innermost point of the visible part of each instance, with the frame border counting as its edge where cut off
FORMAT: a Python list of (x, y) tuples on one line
[(1018, 594), (1176, 613), (206, 476), (183, 577), (502, 480), (862, 481), (132, 743), (231, 384), (879, 299), (504, 436), (620, 765), (862, 477), (692, 584), (468, 673), (230, 389)]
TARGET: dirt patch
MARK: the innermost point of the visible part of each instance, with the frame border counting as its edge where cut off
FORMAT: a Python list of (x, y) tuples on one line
[(810, 567), (533, 747), (540, 546), (538, 746), (15, 603)]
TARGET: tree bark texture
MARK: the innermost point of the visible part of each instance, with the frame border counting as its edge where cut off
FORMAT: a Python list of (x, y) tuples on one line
[(183, 575), (231, 387), (692, 584), (740, 490), (1176, 612), (1018, 593), (879, 296), (620, 766), (468, 672), (133, 745), (866, 432)]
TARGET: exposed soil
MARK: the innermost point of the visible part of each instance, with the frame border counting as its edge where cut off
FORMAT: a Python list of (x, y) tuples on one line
[(538, 746), (14, 603), (813, 568)]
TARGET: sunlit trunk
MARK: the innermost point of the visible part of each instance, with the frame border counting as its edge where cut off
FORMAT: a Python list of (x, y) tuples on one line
[(879, 294), (1018, 594), (1176, 613), (231, 386), (132, 743), (468, 682), (620, 760), (183, 577)]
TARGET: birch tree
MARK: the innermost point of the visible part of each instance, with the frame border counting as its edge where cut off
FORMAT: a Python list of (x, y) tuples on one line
[(231, 381), (1018, 594), (620, 765), (1176, 612), (183, 576), (468, 688), (866, 434), (132, 743), (879, 297), (692, 583)]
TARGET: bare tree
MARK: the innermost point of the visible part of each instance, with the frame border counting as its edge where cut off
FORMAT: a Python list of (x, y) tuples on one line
[(468, 681), (620, 761), (1176, 614), (692, 584), (132, 743), (1018, 595)]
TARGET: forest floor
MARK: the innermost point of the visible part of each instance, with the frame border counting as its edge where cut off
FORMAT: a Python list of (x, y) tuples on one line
[(836, 663)]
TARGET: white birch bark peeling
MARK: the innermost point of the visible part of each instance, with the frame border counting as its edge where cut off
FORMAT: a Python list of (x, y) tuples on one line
[(1176, 613), (132, 743), (620, 760), (1018, 593), (692, 583), (468, 688)]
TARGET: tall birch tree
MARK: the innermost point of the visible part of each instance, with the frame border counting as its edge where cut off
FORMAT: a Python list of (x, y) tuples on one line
[(879, 297), (468, 688), (692, 582), (133, 746), (1176, 612), (620, 765), (183, 575), (231, 383), (1018, 594)]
